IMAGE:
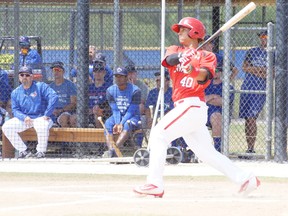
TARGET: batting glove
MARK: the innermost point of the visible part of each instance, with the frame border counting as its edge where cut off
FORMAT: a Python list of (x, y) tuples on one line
[(185, 60)]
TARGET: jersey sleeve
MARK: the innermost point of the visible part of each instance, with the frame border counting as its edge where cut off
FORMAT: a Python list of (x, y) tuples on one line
[(149, 100), (208, 61), (133, 109), (170, 50), (136, 98), (16, 108), (248, 56), (52, 98), (73, 89), (115, 111)]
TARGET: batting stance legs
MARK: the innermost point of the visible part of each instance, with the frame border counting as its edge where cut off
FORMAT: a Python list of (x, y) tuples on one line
[(187, 119), (14, 126)]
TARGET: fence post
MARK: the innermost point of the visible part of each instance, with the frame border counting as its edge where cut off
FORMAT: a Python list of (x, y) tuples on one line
[(281, 80), (72, 41), (269, 90), (82, 62), (226, 92), (16, 41)]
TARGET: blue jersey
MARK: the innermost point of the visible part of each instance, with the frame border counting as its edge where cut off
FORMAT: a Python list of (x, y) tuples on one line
[(217, 90), (153, 96), (97, 95), (5, 88), (220, 59), (124, 104), (39, 100), (255, 57), (32, 59), (64, 92)]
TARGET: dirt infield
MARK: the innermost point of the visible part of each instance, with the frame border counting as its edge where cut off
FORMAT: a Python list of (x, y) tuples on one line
[(55, 194)]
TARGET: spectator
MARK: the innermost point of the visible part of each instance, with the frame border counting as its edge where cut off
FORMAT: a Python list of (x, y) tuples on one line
[(209, 47), (99, 57), (32, 105), (64, 113), (132, 77), (30, 57), (5, 89), (153, 96), (254, 66), (98, 104), (213, 96), (124, 99)]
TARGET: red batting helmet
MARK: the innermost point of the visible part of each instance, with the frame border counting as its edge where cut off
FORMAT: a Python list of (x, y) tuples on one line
[(197, 29)]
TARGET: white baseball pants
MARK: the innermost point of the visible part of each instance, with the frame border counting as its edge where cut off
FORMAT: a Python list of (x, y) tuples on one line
[(188, 119), (13, 126)]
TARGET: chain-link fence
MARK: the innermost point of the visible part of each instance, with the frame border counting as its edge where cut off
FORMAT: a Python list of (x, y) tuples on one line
[(128, 33)]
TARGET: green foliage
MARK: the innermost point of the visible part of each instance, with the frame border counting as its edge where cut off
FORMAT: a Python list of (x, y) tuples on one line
[(6, 60)]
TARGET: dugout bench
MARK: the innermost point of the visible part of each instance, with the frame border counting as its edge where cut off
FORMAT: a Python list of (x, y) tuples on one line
[(56, 135)]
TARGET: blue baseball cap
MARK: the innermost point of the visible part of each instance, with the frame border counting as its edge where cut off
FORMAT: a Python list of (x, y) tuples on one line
[(100, 57), (58, 64), (24, 41), (121, 71), (130, 68), (262, 33), (166, 74), (25, 69), (98, 66)]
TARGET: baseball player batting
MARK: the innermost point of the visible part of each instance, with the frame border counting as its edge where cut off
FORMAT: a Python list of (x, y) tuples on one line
[(191, 71)]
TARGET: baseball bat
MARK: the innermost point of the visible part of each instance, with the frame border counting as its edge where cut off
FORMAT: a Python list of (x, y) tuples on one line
[(236, 18), (117, 150)]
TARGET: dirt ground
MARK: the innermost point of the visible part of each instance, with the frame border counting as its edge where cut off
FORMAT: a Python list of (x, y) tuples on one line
[(92, 194)]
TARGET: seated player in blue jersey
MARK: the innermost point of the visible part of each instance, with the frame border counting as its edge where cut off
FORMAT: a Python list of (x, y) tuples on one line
[(32, 106), (98, 104), (124, 99), (64, 115), (213, 96)]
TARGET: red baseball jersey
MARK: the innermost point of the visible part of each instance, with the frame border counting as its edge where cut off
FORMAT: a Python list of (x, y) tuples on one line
[(184, 85)]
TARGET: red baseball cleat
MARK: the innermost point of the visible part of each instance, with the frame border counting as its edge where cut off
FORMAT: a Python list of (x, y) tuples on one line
[(250, 185), (149, 189)]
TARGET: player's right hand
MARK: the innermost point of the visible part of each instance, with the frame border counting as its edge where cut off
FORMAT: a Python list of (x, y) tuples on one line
[(28, 121), (185, 60)]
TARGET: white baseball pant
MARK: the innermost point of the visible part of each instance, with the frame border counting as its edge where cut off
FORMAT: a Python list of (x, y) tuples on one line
[(13, 126), (188, 119)]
